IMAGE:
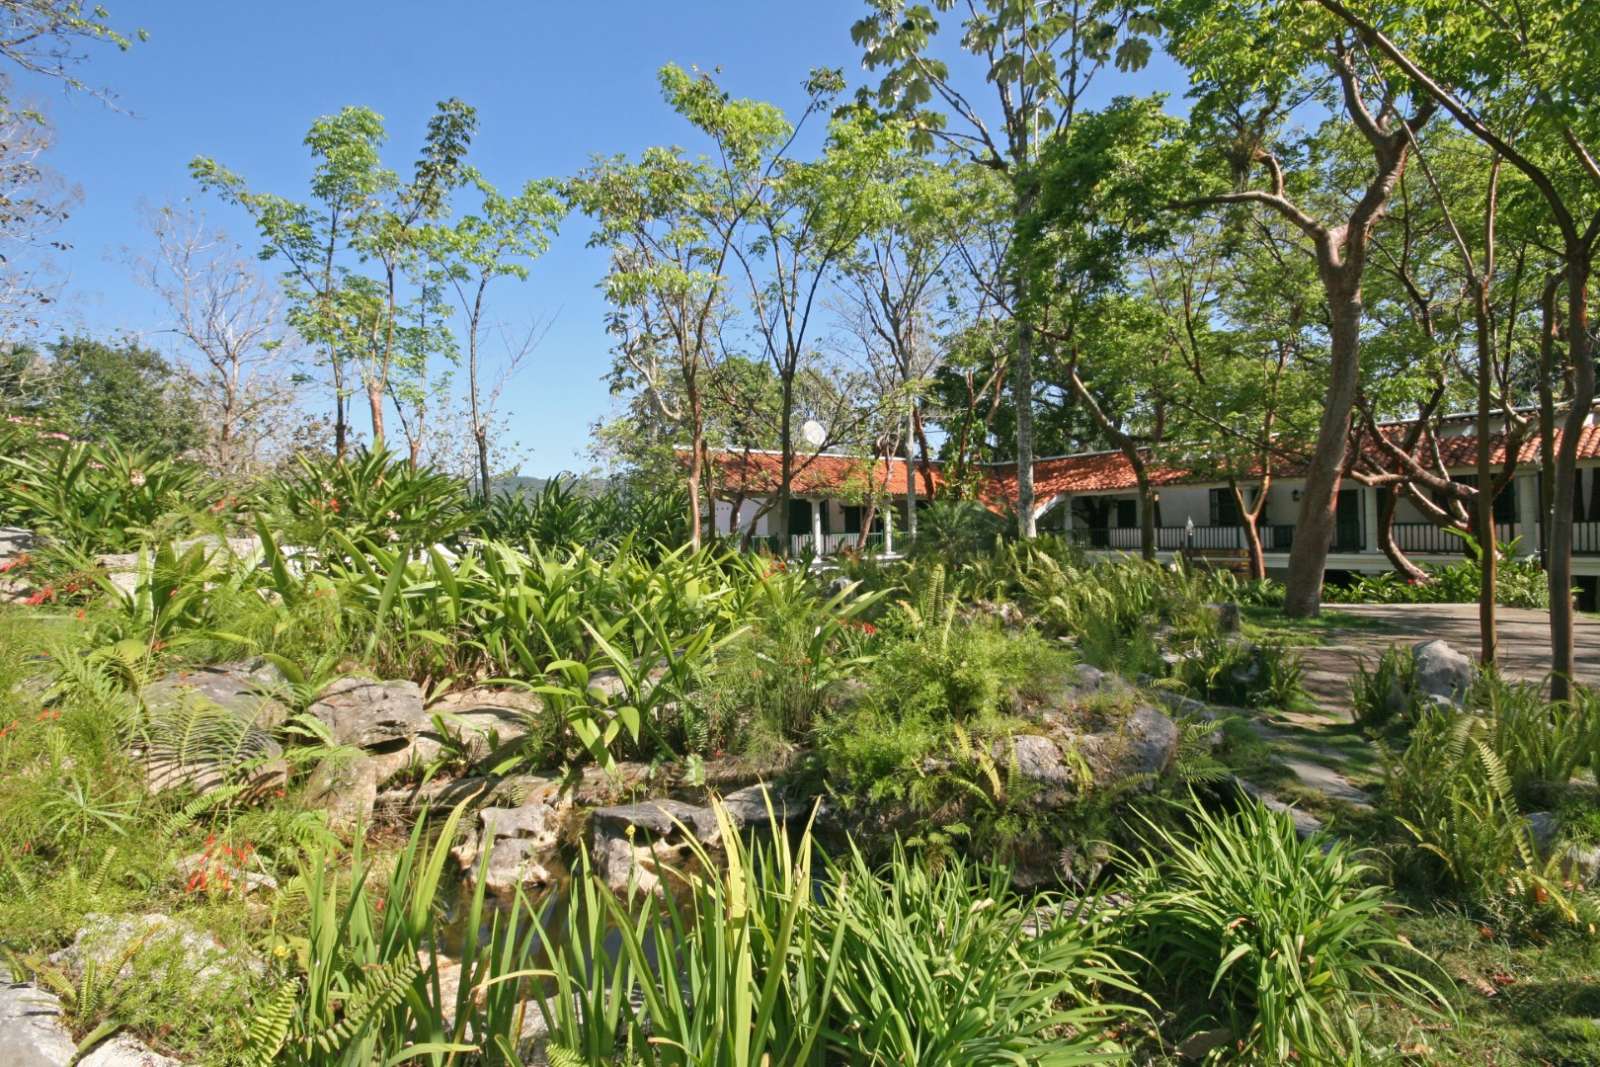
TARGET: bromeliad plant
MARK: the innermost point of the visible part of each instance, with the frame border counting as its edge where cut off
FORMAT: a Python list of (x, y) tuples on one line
[(368, 497), (92, 498)]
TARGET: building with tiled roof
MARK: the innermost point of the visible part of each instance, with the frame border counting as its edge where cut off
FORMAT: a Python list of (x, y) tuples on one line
[(1093, 495)]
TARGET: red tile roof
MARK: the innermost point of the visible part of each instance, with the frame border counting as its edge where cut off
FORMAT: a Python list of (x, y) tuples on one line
[(755, 473), (829, 475)]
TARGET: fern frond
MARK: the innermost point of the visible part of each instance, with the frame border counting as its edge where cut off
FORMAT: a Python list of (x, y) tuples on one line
[(270, 1028)]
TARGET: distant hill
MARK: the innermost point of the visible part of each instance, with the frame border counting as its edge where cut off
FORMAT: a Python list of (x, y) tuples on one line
[(527, 485)]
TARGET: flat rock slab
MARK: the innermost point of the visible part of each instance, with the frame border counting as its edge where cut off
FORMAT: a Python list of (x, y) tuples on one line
[(245, 688), (32, 1035), (658, 818), (482, 719)]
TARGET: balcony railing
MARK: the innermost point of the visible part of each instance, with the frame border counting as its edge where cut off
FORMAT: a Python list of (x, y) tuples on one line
[(1425, 537), (834, 543)]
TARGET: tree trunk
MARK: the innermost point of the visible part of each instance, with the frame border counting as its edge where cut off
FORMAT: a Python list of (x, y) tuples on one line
[(1547, 413), (1147, 509), (1022, 399), (1250, 519), (1488, 556), (1565, 494), (375, 409), (1319, 498), (1386, 543), (481, 437), (786, 459), (924, 453)]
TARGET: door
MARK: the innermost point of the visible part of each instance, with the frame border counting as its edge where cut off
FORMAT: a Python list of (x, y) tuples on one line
[(1347, 522)]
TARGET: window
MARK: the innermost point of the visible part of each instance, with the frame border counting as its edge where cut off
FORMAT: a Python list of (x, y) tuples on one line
[(852, 518), (1127, 513)]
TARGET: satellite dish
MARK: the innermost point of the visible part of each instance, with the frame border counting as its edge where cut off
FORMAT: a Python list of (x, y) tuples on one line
[(813, 433)]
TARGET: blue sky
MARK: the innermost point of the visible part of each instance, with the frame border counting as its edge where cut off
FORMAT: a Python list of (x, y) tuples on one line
[(553, 84)]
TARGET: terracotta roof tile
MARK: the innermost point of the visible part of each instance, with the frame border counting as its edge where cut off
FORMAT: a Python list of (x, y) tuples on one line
[(828, 475), (819, 475)]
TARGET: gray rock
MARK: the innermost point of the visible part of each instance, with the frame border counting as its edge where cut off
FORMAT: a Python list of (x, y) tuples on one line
[(634, 844), (521, 844), (658, 818), (1227, 615), (15, 541), (371, 714), (747, 807), (246, 688), (441, 795), (1090, 677), (241, 751), (1581, 863), (482, 719), (31, 1032), (1144, 745), (1441, 671), (1544, 828), (1038, 762), (117, 939), (125, 1051), (347, 789)]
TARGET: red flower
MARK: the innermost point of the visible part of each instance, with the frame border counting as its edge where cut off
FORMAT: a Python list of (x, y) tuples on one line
[(15, 563), (47, 593)]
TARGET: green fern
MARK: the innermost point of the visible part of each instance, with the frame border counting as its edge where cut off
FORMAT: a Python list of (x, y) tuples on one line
[(269, 1030)]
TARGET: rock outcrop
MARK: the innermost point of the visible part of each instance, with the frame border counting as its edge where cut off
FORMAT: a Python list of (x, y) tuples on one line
[(1441, 673)]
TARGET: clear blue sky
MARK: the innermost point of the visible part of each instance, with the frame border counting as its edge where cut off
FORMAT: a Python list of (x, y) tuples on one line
[(553, 84)]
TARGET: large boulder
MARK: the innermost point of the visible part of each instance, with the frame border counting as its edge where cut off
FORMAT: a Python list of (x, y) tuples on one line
[(633, 845), (1441, 671), (107, 940), (1143, 745), (1037, 760), (374, 715), (346, 788)]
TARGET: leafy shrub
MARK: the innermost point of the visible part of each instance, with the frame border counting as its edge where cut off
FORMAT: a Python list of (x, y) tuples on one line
[(1519, 583), (92, 499), (945, 966), (799, 650), (1450, 792), (563, 515), (1223, 670), (954, 530), (1288, 937), (1542, 744)]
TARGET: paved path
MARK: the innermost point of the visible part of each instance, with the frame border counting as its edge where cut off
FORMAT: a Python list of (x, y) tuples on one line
[(1524, 643), (1320, 748)]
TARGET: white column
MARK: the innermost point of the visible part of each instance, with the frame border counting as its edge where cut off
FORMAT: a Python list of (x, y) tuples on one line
[(1066, 518), (1369, 518), (888, 529), (1527, 488), (816, 524)]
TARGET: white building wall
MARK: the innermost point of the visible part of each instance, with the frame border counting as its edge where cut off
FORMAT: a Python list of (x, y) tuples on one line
[(747, 512)]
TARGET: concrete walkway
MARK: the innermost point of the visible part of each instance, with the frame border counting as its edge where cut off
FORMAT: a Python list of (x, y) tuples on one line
[(1524, 643)]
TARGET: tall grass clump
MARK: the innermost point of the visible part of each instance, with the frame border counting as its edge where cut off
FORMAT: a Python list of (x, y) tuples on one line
[(1288, 938), (948, 965)]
